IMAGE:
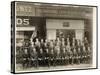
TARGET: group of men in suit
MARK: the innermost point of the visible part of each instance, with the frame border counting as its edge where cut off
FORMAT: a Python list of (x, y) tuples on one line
[(56, 52)]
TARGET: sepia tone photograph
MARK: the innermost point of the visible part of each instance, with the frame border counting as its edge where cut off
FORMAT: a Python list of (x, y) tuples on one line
[(53, 37)]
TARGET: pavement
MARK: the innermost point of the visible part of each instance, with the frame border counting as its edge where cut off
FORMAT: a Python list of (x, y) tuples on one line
[(19, 68)]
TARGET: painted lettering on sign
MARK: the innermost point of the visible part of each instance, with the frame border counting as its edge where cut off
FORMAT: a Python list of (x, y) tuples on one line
[(22, 21), (66, 24), (24, 8)]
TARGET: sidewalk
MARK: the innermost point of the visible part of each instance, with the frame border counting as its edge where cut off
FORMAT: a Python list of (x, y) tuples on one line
[(64, 67)]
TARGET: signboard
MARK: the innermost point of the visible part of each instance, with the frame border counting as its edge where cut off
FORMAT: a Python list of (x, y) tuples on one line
[(25, 10), (64, 24), (21, 21), (50, 11)]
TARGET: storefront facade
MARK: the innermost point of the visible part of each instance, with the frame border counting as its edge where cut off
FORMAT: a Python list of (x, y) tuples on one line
[(48, 20), (74, 26)]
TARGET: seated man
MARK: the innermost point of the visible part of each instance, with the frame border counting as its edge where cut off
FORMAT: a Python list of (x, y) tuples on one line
[(41, 57), (25, 57), (89, 55), (74, 58), (84, 55), (47, 62), (68, 48), (57, 55), (51, 57), (63, 56), (79, 56), (34, 58), (70, 55)]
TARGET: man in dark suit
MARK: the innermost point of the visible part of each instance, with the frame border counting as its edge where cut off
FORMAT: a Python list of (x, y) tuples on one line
[(89, 54), (34, 57), (63, 56), (57, 55), (84, 54), (51, 58), (79, 58), (37, 45), (68, 48), (41, 57), (42, 43), (25, 56), (47, 56), (74, 58)]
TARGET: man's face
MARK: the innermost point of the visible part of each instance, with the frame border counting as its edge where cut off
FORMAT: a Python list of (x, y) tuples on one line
[(41, 40), (41, 51), (36, 39), (34, 50), (62, 39)]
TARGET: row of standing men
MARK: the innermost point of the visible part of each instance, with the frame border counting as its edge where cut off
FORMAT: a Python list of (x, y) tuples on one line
[(56, 52)]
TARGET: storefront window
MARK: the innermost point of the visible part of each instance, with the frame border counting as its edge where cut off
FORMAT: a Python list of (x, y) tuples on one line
[(65, 33)]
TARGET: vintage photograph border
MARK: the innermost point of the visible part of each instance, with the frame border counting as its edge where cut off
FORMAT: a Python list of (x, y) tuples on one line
[(14, 49)]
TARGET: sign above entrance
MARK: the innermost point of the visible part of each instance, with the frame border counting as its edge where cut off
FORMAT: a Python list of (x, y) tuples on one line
[(64, 24), (21, 21)]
